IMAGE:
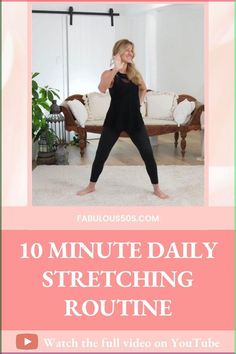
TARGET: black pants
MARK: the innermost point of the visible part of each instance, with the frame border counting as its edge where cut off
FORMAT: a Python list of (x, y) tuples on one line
[(140, 140)]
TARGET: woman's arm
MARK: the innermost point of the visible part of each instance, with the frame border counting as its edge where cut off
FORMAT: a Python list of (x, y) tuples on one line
[(108, 75), (107, 79), (142, 91)]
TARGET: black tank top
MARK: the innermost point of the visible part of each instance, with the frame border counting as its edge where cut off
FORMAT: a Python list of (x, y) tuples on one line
[(124, 111)]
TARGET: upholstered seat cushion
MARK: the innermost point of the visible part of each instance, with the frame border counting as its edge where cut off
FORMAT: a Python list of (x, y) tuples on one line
[(94, 122), (157, 121), (147, 121)]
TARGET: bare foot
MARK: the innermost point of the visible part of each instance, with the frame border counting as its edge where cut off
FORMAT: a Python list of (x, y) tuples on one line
[(89, 189), (159, 193)]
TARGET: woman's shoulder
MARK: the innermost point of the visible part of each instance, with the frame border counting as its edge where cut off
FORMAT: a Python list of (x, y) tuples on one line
[(106, 72)]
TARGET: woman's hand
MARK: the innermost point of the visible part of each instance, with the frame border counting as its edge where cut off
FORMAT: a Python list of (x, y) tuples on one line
[(118, 64)]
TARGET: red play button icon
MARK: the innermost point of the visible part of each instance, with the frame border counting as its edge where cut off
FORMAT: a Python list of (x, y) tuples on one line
[(27, 341)]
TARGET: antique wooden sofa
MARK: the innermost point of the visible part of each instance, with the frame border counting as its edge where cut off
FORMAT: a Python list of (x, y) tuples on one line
[(154, 127)]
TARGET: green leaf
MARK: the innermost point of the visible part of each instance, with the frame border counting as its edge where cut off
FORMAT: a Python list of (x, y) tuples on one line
[(45, 106), (43, 93), (34, 75), (55, 94), (50, 96), (34, 85), (38, 111), (35, 94), (38, 135), (44, 123), (53, 89)]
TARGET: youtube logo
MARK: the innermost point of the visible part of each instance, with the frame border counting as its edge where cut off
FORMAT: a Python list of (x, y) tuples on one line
[(27, 341)]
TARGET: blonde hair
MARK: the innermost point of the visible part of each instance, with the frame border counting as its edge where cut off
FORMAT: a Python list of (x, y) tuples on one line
[(132, 73)]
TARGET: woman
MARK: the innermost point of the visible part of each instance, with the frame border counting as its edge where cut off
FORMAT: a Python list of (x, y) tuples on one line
[(127, 90)]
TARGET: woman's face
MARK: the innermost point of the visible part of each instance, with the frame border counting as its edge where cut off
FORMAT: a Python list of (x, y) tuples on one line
[(127, 54)]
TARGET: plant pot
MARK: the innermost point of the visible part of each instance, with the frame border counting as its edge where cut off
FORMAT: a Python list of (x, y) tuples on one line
[(62, 155), (46, 158)]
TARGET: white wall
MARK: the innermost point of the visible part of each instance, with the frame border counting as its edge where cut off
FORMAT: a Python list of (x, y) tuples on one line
[(71, 58), (168, 41), (180, 52), (88, 57), (49, 51), (169, 46)]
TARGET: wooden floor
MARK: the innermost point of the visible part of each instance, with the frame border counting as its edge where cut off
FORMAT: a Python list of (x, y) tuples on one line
[(125, 153)]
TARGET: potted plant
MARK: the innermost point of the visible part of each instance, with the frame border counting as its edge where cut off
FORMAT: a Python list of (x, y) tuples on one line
[(42, 98)]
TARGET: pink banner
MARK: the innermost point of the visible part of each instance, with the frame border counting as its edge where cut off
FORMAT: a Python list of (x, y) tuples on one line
[(128, 341), (118, 280)]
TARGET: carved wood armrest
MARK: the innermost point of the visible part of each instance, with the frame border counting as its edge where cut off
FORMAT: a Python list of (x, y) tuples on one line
[(77, 96)]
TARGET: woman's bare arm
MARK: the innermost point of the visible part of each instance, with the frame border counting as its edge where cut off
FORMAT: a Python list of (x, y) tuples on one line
[(108, 75), (142, 91), (107, 79)]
